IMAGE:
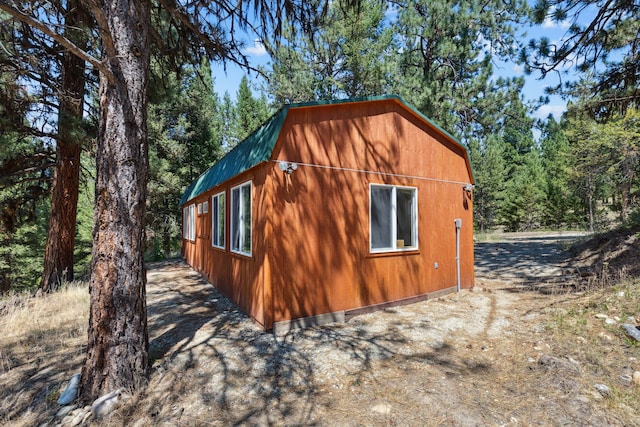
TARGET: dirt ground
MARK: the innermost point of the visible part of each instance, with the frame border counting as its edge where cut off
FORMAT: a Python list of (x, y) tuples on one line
[(520, 349), (494, 355)]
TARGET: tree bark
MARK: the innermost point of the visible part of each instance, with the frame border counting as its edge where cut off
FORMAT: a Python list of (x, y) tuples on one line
[(7, 227), (591, 214), (117, 349), (60, 244)]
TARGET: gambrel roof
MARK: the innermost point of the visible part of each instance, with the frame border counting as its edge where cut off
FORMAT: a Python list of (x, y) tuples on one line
[(258, 147)]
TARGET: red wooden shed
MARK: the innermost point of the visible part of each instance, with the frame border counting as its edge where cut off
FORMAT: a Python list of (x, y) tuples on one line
[(331, 209)]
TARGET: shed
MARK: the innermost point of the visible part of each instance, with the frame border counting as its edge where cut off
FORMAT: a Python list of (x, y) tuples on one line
[(332, 209)]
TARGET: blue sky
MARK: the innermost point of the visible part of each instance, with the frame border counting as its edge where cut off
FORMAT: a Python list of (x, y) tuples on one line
[(534, 86), (229, 80)]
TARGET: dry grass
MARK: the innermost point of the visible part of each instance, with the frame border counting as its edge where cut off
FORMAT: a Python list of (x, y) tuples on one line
[(42, 341), (576, 329)]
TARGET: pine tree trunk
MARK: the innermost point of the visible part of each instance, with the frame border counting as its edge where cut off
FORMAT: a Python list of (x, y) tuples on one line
[(625, 192), (7, 227), (591, 215), (117, 350), (58, 257)]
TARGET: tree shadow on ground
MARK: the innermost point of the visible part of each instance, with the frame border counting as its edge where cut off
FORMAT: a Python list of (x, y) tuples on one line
[(210, 361), (529, 263), (527, 259), (556, 264)]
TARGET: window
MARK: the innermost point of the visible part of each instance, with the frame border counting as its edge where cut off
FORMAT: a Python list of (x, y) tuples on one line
[(241, 219), (185, 221), (199, 208), (217, 218), (188, 223), (393, 216), (205, 207)]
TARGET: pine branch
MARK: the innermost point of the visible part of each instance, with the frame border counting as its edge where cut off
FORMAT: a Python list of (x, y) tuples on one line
[(63, 41)]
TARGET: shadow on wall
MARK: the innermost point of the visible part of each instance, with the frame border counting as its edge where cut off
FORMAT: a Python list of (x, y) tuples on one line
[(320, 215)]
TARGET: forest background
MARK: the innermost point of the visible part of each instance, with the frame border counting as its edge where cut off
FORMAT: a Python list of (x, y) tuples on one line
[(579, 172)]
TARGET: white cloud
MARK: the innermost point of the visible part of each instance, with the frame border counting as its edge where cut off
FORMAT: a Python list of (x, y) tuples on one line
[(550, 23), (257, 49), (555, 110)]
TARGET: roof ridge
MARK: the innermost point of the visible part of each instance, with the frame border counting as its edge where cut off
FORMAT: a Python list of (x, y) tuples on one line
[(256, 148)]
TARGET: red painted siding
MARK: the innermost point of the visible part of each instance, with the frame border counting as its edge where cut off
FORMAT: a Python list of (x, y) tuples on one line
[(311, 228)]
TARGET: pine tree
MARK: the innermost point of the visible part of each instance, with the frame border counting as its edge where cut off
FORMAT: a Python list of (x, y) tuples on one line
[(57, 80), (228, 115), (290, 77), (61, 233), (559, 211), (601, 40), (185, 128), (346, 57), (24, 187), (199, 108), (490, 173), (84, 217), (589, 163), (525, 194), (250, 112), (444, 64), (622, 133), (25, 179)]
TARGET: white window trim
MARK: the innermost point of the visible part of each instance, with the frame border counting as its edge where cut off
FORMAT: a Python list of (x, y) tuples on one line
[(394, 232), (205, 207), (214, 218), (185, 222), (192, 223), (189, 223), (231, 218)]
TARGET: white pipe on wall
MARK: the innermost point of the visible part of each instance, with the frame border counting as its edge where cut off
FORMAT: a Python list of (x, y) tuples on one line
[(458, 223)]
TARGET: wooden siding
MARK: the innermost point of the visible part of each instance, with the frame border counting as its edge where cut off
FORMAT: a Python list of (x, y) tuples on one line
[(237, 276), (320, 257), (311, 228)]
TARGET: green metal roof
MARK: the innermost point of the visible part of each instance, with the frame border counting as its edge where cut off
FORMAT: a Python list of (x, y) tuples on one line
[(258, 146)]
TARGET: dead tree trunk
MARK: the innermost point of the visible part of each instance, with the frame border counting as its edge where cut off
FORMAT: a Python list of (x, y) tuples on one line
[(117, 350), (58, 257)]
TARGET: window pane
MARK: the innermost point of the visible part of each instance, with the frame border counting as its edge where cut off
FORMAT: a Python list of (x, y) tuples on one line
[(192, 222), (246, 218), (221, 220), (235, 219), (381, 225), (217, 218), (185, 229), (405, 199), (214, 221)]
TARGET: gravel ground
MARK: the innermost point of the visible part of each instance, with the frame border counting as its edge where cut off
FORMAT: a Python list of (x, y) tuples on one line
[(327, 375), (525, 257), (481, 357), (467, 359)]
